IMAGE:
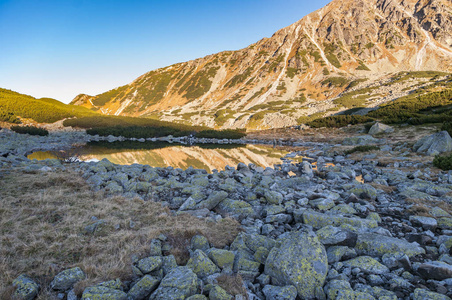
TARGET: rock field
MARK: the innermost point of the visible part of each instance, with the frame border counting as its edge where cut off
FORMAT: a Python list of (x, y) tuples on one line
[(333, 226)]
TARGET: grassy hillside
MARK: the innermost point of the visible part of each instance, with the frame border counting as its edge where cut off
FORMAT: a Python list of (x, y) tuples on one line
[(44, 110)]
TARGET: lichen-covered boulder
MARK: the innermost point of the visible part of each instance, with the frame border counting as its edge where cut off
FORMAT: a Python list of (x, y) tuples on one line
[(338, 253), (149, 264), (180, 283), (213, 200), (143, 288), (341, 290), (377, 245), (367, 264), (67, 278), (319, 220), (364, 191), (434, 144), (102, 292), (26, 288), (218, 293), (236, 208), (330, 235), (288, 292), (425, 222), (300, 261), (202, 265), (222, 258), (197, 297), (199, 242), (421, 294), (273, 197)]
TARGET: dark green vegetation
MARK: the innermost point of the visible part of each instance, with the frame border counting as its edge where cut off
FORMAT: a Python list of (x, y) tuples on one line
[(354, 99), (447, 127), (329, 53), (362, 149), (44, 110), (417, 109), (338, 121), (112, 121), (443, 162), (150, 132), (199, 84), (31, 130), (103, 98), (221, 134), (335, 81)]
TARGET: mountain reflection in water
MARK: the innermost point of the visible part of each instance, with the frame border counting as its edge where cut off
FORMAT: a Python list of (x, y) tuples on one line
[(206, 157)]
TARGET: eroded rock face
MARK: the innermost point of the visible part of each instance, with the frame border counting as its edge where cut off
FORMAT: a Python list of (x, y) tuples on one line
[(300, 261)]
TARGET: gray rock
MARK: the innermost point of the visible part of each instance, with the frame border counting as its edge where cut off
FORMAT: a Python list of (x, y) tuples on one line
[(379, 128), (288, 292), (26, 288), (66, 279), (213, 200), (202, 265), (199, 242), (143, 288), (319, 220), (300, 261), (367, 264), (435, 270), (149, 264), (330, 235), (434, 144), (180, 283), (102, 292), (421, 294), (426, 222), (218, 293), (377, 245)]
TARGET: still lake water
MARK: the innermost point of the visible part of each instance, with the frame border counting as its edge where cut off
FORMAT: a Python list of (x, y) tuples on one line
[(206, 157)]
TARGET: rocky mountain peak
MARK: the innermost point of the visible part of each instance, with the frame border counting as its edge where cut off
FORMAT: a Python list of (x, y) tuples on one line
[(299, 71)]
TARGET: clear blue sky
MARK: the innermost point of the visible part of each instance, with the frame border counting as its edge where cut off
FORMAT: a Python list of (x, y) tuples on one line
[(61, 48)]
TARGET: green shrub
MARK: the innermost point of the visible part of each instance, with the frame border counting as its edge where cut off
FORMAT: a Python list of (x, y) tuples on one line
[(362, 149), (416, 109), (443, 162), (31, 130), (44, 110), (335, 81), (447, 127), (221, 134), (338, 121)]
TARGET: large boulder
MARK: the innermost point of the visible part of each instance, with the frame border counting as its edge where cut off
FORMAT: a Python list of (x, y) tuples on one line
[(180, 283), (434, 144), (319, 220), (300, 261), (437, 270), (379, 128)]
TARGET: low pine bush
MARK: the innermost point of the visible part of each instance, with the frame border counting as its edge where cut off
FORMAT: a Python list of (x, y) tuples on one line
[(31, 130), (447, 127), (443, 162), (338, 121)]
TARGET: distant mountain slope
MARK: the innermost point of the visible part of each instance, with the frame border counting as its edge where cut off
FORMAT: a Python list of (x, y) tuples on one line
[(44, 110), (298, 71)]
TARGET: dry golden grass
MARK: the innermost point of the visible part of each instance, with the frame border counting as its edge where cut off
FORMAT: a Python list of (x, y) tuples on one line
[(42, 221), (422, 207), (387, 189)]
